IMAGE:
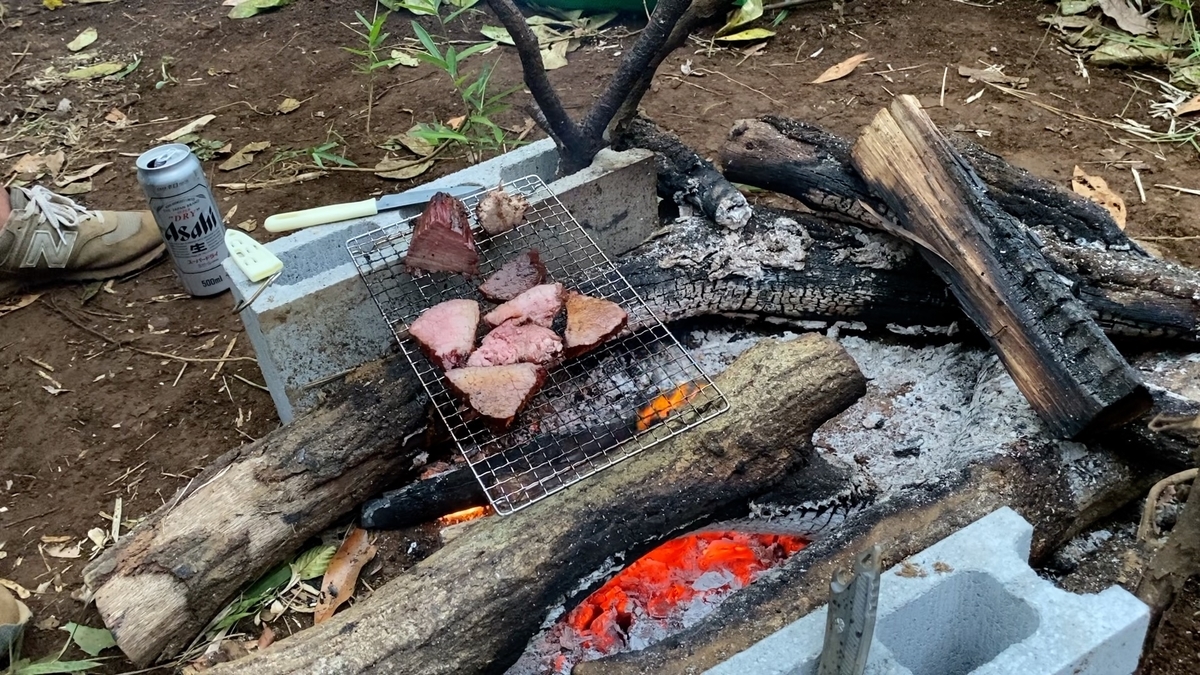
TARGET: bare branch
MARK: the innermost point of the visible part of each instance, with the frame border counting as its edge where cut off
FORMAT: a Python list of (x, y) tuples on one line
[(560, 125)]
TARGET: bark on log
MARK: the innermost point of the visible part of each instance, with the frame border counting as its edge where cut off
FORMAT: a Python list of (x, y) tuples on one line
[(164, 581), (466, 608), (1059, 358), (685, 175), (1127, 292)]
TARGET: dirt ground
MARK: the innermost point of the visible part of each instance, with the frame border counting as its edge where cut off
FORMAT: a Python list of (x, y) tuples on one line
[(134, 427)]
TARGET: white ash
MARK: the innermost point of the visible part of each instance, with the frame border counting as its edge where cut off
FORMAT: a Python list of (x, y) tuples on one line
[(783, 245), (878, 252)]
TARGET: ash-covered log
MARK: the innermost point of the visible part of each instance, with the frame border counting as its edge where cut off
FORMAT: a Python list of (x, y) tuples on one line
[(1059, 358), (467, 608)]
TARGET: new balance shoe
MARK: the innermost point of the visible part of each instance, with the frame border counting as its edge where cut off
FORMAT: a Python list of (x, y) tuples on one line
[(50, 238)]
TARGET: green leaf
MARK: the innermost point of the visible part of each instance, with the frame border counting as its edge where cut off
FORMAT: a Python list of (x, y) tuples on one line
[(402, 58), (749, 11), (24, 667), (474, 49), (418, 7), (313, 562), (91, 640), (426, 41), (750, 34), (250, 8), (779, 18), (1069, 7), (498, 34)]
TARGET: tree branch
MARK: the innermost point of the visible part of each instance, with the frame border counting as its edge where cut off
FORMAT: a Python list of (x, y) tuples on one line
[(560, 125)]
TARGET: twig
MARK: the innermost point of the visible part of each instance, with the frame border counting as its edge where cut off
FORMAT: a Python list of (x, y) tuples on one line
[(181, 369), (788, 3), (20, 57), (228, 351), (1137, 179), (1184, 238), (1176, 188), (249, 382), (740, 84), (942, 100), (33, 517), (1146, 527)]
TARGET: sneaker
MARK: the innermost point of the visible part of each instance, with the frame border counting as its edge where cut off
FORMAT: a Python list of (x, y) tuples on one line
[(49, 237)]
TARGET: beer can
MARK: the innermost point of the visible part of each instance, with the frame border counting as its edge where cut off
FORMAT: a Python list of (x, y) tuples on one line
[(187, 215)]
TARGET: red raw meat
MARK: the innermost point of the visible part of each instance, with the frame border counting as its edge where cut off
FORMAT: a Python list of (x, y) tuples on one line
[(442, 239), (511, 342), (539, 305), (497, 392), (591, 322), (446, 332), (515, 277)]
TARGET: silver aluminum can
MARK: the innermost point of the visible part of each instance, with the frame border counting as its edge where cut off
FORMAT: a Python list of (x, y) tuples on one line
[(187, 215)]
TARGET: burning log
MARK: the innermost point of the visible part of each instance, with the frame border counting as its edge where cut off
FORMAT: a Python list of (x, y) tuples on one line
[(466, 608), (1068, 370), (1129, 293), (161, 584)]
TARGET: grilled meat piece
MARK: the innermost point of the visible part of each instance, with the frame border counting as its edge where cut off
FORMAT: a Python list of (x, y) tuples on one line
[(591, 322), (498, 393), (539, 305), (515, 277), (511, 342), (442, 239), (446, 332), (498, 212)]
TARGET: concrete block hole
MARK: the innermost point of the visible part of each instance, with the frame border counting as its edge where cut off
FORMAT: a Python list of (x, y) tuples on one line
[(956, 627)]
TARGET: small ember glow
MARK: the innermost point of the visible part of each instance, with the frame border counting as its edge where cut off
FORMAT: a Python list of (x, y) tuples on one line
[(662, 406), (667, 590), (463, 516)]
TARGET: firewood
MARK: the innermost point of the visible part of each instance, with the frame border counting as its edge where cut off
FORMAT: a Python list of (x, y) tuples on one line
[(1128, 292), (1059, 358), (163, 582), (467, 608)]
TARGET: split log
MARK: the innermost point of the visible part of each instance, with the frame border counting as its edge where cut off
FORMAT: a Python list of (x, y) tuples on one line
[(685, 175), (1127, 292), (423, 500), (1059, 358), (161, 584), (467, 608)]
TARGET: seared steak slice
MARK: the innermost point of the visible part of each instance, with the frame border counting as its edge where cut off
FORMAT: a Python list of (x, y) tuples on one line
[(515, 277), (591, 322), (498, 393), (442, 239), (539, 305), (446, 332), (511, 342)]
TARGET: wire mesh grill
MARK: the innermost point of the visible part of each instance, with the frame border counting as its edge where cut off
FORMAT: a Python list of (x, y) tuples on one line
[(592, 411)]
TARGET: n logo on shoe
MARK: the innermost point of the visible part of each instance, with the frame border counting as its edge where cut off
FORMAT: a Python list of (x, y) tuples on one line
[(45, 245)]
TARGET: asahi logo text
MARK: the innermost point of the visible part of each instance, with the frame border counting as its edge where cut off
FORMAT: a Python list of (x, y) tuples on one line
[(54, 250), (206, 223)]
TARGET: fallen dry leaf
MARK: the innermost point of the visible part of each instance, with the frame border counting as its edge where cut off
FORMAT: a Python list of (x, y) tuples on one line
[(267, 637), (23, 301), (402, 169), (338, 583), (1096, 189), (244, 156), (1128, 18), (993, 76), (248, 225), (79, 188), (117, 117), (456, 122), (272, 183), (31, 166), (841, 70), (63, 550), (22, 592), (86, 173), (56, 539), (189, 128), (288, 105), (1190, 106), (84, 39)]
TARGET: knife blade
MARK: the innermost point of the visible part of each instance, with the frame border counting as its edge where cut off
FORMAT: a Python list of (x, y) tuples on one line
[(322, 215)]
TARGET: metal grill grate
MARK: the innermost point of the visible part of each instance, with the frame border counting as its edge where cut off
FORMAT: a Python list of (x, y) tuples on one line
[(586, 416)]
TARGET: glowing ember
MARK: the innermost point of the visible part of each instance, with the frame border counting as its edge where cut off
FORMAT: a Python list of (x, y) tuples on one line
[(463, 516), (662, 406), (668, 589)]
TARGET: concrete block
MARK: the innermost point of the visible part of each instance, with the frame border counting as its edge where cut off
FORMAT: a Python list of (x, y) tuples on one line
[(971, 604), (317, 319)]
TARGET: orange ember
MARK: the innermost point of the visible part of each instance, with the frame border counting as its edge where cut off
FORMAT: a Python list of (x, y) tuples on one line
[(662, 406), (463, 516), (683, 576)]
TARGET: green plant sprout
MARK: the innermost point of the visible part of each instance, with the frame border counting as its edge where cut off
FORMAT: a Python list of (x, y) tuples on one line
[(373, 38)]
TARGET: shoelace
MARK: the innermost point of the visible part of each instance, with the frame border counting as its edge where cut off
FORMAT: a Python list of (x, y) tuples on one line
[(61, 212)]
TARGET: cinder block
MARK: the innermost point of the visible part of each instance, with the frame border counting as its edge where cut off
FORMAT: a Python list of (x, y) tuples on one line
[(971, 604), (317, 319)]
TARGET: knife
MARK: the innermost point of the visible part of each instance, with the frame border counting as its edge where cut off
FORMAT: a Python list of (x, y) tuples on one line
[(321, 215)]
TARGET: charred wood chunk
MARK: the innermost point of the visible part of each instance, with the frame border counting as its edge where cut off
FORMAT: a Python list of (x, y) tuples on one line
[(1059, 358)]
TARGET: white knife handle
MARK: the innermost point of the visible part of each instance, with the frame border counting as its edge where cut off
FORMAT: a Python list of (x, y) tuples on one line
[(294, 220)]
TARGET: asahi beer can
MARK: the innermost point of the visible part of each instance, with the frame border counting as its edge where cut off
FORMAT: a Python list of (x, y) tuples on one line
[(187, 215)]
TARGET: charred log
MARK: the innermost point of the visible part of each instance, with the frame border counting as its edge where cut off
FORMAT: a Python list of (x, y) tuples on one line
[(1127, 292), (423, 500), (163, 582), (1059, 358), (466, 608), (685, 175)]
